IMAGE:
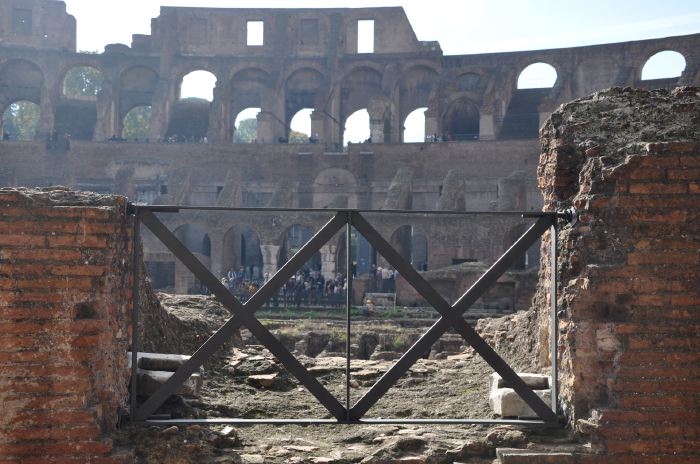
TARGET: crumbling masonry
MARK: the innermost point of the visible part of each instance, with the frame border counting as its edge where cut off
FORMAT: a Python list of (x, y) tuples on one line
[(308, 59), (628, 159)]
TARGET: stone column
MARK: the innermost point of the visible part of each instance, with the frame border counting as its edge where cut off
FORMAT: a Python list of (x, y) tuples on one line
[(219, 117), (328, 264), (106, 125), (46, 112), (487, 127), (216, 240), (161, 105), (318, 124), (269, 257)]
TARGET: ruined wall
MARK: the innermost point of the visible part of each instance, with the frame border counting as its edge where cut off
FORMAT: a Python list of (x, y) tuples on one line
[(629, 159), (65, 300)]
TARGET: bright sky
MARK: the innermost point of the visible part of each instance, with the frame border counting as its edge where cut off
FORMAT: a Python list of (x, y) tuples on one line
[(461, 26)]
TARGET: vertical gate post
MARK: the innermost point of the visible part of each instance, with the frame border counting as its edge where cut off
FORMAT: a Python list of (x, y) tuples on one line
[(554, 327), (348, 307), (135, 316)]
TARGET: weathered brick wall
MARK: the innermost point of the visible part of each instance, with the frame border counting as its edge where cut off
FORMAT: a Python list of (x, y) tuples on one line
[(65, 295), (630, 270)]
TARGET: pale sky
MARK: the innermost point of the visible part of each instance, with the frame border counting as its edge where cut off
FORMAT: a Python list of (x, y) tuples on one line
[(461, 26)]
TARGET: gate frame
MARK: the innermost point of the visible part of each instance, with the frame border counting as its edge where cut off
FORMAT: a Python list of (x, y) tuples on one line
[(243, 314)]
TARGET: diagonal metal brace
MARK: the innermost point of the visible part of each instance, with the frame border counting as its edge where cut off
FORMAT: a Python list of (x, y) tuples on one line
[(451, 316), (243, 315)]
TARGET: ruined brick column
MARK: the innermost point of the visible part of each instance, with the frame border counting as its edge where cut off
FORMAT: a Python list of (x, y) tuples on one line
[(65, 301), (629, 270)]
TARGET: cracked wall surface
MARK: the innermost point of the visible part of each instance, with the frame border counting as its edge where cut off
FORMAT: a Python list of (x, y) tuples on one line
[(629, 160)]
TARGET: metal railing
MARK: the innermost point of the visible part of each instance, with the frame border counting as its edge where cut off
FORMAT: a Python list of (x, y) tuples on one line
[(243, 314)]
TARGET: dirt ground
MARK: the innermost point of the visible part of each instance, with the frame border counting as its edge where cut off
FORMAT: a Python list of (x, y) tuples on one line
[(247, 382)]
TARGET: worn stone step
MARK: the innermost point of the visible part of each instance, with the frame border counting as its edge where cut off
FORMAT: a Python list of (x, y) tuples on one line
[(520, 456), (506, 402)]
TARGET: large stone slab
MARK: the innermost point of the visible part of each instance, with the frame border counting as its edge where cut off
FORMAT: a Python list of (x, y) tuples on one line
[(506, 402), (150, 381)]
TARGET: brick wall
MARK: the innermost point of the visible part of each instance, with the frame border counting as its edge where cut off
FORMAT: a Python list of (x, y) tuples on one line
[(630, 271), (65, 295)]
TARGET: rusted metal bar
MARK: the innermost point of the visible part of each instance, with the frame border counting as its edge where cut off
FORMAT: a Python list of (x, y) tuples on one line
[(451, 316)]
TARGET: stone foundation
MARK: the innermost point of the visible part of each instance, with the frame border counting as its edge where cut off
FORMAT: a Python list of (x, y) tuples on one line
[(629, 160), (65, 302)]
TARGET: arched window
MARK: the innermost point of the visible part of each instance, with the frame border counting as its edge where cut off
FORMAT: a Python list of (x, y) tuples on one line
[(663, 65), (296, 236), (300, 127), (196, 239), (460, 121), (242, 250), (137, 123), (357, 127), (412, 245), (414, 126), (537, 76), (20, 121), (246, 126), (198, 84), (82, 83)]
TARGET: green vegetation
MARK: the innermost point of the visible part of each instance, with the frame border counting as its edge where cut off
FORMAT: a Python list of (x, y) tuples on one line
[(83, 81), (21, 120), (137, 123), (298, 137), (246, 131)]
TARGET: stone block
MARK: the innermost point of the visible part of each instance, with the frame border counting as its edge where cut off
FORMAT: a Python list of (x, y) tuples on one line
[(150, 381), (506, 402), (159, 361)]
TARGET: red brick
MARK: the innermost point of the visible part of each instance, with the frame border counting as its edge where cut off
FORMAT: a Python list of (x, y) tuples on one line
[(33, 313), (12, 197), (648, 173), (659, 357), (656, 372), (659, 161), (58, 449), (679, 400), (667, 216), (655, 415), (46, 401), (653, 446), (66, 212), (687, 299), (9, 343), (690, 161), (62, 227), (88, 241), (58, 433), (658, 189), (657, 386), (24, 356), (22, 240), (48, 284), (679, 258), (684, 174), (40, 255), (52, 371), (82, 270)]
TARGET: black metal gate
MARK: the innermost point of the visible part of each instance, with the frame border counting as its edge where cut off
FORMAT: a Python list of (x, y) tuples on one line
[(243, 315)]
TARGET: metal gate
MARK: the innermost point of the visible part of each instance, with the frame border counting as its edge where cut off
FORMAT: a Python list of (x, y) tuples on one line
[(243, 314)]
